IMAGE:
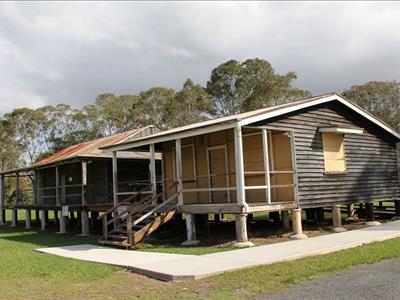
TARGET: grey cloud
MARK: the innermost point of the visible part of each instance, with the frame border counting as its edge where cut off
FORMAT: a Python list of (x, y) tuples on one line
[(71, 52)]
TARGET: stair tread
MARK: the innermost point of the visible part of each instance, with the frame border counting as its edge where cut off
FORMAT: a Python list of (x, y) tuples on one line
[(124, 244)]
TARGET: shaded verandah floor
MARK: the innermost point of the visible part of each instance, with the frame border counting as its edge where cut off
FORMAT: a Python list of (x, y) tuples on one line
[(177, 267)]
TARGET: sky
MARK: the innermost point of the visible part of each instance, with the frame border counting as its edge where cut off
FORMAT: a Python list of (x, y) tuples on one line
[(70, 52)]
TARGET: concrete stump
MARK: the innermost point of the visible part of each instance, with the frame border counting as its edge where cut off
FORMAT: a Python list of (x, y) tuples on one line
[(242, 240), (370, 210), (190, 231), (397, 208), (85, 223), (14, 217), (297, 227), (337, 219), (3, 216), (285, 219), (42, 220), (63, 223), (27, 218)]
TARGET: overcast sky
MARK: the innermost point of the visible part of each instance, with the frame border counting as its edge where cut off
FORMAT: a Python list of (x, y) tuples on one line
[(71, 52)]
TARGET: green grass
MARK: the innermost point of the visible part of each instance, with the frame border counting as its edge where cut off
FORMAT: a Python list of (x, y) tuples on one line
[(25, 273)]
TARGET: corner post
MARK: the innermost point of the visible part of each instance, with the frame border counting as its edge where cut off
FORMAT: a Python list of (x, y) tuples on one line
[(178, 162), (115, 177), (153, 175), (57, 187), (266, 165), (84, 212), (17, 192), (2, 206), (240, 191)]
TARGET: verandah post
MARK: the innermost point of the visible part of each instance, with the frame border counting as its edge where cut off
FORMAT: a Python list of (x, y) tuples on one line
[(178, 162), (153, 175), (266, 165), (241, 227), (2, 206), (84, 212)]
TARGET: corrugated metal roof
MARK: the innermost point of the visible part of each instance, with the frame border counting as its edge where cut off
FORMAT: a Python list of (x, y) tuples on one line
[(92, 148), (249, 116)]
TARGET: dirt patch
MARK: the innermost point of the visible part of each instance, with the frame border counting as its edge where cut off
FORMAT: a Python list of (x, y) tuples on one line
[(260, 232)]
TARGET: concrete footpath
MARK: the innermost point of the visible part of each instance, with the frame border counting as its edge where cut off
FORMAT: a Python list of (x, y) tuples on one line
[(178, 267)]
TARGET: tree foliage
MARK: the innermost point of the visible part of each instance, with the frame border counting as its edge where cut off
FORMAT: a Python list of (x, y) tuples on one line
[(28, 135), (382, 98), (236, 87)]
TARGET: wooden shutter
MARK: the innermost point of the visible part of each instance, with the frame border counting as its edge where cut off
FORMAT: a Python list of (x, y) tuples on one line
[(334, 157)]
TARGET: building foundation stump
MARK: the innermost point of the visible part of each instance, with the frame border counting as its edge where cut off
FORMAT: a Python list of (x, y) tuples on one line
[(42, 220), (242, 240), (285, 219), (14, 217), (297, 226), (63, 223), (85, 223), (3, 216), (28, 219), (397, 208), (191, 231), (370, 210), (337, 219), (351, 213)]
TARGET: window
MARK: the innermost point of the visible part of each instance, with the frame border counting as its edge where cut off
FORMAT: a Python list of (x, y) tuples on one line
[(334, 156)]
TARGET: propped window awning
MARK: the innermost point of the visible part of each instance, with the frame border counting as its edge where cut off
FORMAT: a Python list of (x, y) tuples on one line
[(341, 129)]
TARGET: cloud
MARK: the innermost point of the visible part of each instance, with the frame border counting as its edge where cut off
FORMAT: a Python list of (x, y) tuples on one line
[(72, 51)]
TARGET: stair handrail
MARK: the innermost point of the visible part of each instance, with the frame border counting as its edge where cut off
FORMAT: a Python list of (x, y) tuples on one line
[(130, 198), (155, 209), (149, 202)]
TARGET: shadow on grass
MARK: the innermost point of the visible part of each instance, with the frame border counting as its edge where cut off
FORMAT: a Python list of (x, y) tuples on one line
[(38, 238)]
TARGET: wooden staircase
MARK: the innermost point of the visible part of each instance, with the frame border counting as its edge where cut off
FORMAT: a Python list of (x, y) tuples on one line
[(134, 218)]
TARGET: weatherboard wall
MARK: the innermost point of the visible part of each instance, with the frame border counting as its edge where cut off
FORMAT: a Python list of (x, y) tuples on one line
[(371, 159)]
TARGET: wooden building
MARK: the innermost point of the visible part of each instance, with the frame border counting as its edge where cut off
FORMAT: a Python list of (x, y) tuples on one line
[(78, 179), (320, 152)]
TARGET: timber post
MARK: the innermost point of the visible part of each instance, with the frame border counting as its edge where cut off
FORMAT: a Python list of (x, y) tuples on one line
[(190, 231), (63, 225), (241, 226), (397, 208), (370, 210), (27, 219), (42, 220), (285, 219), (178, 162), (14, 217), (297, 227), (153, 175), (337, 219), (351, 213), (84, 212), (2, 206)]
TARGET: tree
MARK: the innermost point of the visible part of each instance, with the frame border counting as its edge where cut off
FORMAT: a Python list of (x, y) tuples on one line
[(382, 98), (236, 87), (189, 105), (154, 102)]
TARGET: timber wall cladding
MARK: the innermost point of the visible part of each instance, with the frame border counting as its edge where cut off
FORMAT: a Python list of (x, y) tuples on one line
[(370, 158)]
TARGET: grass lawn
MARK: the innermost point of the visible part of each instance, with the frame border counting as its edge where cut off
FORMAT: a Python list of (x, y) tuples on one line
[(25, 273)]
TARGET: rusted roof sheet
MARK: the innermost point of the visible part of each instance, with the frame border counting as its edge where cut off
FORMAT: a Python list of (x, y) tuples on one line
[(92, 148)]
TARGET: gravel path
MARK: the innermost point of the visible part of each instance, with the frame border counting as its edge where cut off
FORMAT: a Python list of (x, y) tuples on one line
[(377, 281)]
